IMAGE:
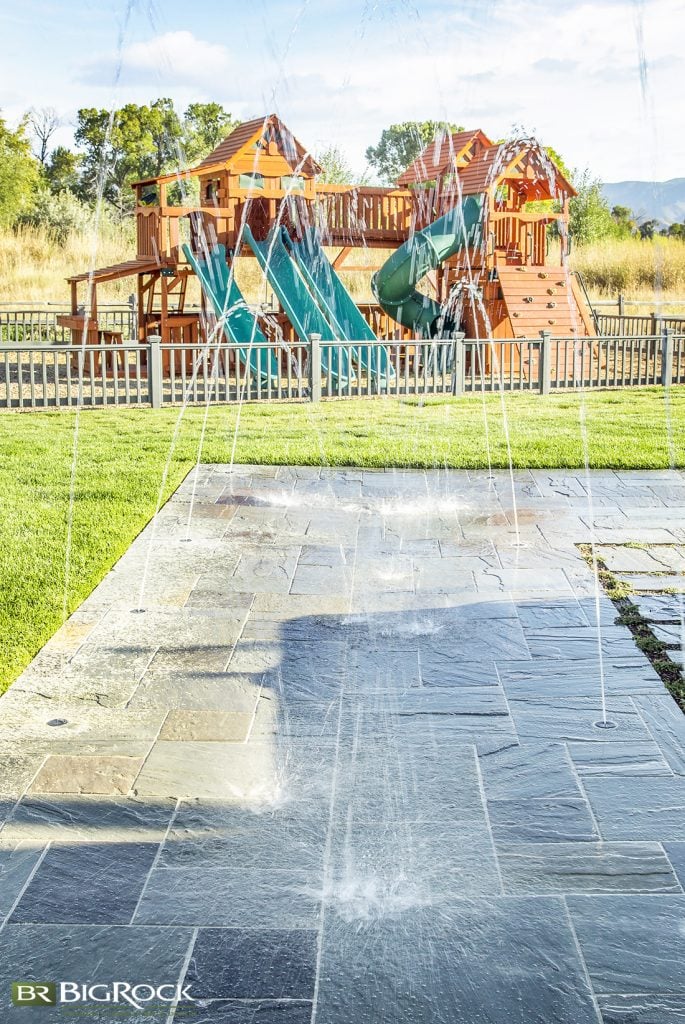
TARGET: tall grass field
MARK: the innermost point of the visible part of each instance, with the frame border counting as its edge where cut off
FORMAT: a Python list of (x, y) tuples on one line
[(34, 266)]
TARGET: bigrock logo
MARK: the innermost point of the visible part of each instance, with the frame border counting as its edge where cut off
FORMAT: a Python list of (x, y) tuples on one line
[(34, 993), (63, 993)]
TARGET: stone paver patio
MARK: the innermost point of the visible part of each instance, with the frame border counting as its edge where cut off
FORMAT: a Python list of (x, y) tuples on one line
[(340, 762)]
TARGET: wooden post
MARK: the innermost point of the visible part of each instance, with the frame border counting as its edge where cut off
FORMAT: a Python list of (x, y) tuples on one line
[(141, 310), (315, 367), (621, 304), (154, 371), (163, 329), (543, 365), (666, 356)]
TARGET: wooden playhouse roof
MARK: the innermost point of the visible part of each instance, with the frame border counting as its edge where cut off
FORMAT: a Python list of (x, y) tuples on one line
[(509, 159), (436, 159), (237, 142), (247, 133), (491, 163)]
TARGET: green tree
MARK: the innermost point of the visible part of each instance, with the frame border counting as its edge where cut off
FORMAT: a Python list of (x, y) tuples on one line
[(205, 125), (624, 218), (62, 170), (675, 231), (590, 216), (648, 228), (335, 170), (126, 145), (19, 172), (400, 144)]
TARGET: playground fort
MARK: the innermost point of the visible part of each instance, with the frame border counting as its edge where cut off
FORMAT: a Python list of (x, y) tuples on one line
[(479, 233)]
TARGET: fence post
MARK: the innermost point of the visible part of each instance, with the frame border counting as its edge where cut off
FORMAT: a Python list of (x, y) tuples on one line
[(154, 370), (666, 356), (621, 304), (458, 379), (315, 367), (543, 366)]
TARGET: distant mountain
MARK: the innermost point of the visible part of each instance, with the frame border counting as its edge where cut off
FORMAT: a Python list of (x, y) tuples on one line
[(658, 200)]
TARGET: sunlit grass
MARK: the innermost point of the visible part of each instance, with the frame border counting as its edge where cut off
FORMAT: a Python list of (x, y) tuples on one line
[(648, 270), (121, 458)]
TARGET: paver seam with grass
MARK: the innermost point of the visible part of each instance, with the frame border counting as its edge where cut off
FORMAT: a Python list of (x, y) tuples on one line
[(122, 455)]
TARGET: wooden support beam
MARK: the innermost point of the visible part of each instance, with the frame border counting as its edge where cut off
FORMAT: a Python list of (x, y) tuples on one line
[(342, 256)]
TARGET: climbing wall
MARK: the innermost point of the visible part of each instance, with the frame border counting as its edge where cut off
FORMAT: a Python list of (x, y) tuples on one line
[(538, 299)]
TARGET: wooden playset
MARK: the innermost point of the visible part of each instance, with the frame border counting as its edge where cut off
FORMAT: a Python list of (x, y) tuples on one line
[(261, 179)]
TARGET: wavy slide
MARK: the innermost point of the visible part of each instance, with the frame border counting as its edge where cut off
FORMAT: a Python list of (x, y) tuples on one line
[(395, 283), (239, 322), (293, 291), (337, 304)]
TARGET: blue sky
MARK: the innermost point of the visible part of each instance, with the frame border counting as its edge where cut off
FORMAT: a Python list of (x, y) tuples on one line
[(338, 72)]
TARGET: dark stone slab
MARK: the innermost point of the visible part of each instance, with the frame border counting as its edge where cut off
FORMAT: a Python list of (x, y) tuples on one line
[(623, 759), (575, 720), (238, 1012), (211, 834), (586, 868), (537, 614), (666, 722), (409, 778), (529, 770), (90, 819), (550, 820), (232, 898), (676, 854), (634, 809), (400, 861), (16, 864), (580, 677), (642, 1009), (659, 607), (90, 883), (90, 954), (429, 966), (632, 943), (570, 644), (232, 964)]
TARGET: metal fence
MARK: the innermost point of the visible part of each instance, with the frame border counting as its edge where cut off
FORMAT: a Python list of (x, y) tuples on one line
[(614, 325), (63, 376), (20, 325)]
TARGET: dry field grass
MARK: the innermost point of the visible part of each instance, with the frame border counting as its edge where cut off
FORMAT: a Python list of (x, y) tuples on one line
[(33, 267)]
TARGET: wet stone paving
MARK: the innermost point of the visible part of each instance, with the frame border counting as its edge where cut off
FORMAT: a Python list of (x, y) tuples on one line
[(324, 746)]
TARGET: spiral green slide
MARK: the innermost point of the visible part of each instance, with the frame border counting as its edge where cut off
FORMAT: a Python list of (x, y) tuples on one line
[(395, 283)]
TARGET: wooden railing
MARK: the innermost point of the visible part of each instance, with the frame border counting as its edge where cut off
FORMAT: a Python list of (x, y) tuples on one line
[(357, 215)]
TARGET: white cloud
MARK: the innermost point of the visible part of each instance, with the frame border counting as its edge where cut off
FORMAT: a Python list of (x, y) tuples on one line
[(177, 57), (348, 68)]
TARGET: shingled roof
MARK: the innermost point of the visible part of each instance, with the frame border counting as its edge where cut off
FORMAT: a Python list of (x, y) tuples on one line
[(247, 133), (437, 158)]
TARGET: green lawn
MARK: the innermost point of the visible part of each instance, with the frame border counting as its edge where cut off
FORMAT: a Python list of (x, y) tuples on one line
[(122, 454)]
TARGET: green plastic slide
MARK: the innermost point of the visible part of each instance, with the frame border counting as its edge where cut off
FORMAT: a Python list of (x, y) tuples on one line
[(337, 304), (300, 305), (239, 322), (395, 283)]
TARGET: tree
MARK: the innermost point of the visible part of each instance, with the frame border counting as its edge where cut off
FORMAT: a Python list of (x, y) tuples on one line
[(19, 172), (62, 170), (624, 218), (674, 231), (590, 217), (205, 125), (647, 228), (400, 144), (126, 145), (335, 168), (43, 124)]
